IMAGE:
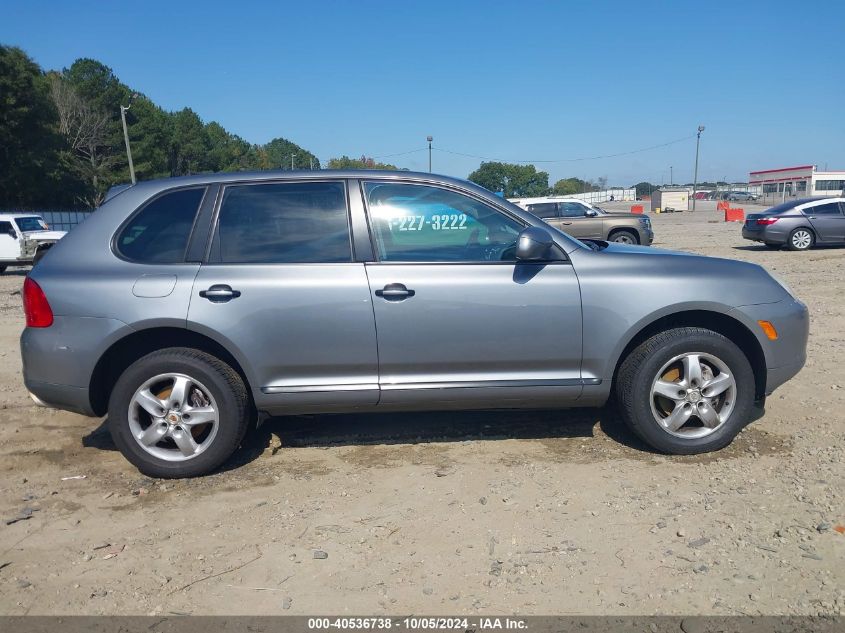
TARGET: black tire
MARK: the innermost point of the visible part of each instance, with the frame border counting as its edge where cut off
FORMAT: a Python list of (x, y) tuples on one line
[(640, 368), (3, 269), (624, 236), (226, 388), (774, 246), (802, 245)]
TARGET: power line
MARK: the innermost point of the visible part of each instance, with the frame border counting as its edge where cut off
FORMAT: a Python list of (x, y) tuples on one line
[(567, 160)]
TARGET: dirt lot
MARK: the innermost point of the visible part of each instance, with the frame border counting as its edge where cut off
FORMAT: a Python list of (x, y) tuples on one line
[(529, 513)]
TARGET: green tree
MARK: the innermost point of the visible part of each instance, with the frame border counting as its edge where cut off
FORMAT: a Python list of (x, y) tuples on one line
[(516, 181), (344, 162), (645, 188), (279, 151), (568, 186), (189, 145), (30, 169)]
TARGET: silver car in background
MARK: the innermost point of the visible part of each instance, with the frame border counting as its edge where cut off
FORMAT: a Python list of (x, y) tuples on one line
[(799, 224), (188, 309)]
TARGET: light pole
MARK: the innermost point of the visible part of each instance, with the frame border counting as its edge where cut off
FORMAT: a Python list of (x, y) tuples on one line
[(671, 176), (123, 110), (695, 174), (291, 161), (429, 139)]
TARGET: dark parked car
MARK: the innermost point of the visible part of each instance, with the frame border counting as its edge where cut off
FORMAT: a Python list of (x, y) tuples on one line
[(187, 309), (798, 224)]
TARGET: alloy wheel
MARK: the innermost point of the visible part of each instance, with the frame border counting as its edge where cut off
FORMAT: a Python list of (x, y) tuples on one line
[(693, 395), (802, 239), (173, 417)]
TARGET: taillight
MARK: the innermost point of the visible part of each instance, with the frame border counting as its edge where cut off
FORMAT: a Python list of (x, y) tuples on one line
[(35, 306), (766, 221)]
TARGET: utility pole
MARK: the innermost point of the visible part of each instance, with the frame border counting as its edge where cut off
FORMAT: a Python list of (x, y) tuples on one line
[(123, 110), (291, 161), (695, 174), (429, 138), (671, 176)]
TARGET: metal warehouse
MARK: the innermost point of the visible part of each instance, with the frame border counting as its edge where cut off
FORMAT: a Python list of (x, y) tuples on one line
[(797, 182)]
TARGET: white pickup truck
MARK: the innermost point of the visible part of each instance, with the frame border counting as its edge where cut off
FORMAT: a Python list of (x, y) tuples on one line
[(24, 238)]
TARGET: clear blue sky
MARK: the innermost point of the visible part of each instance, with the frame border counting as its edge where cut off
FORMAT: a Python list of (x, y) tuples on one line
[(506, 80)]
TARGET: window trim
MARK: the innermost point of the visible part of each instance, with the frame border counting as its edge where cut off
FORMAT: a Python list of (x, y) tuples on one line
[(211, 259), (114, 240)]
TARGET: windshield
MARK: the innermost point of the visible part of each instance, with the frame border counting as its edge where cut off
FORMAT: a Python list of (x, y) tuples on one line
[(30, 224)]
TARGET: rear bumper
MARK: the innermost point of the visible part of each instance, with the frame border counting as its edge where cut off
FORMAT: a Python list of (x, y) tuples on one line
[(58, 361), (60, 397), (771, 234)]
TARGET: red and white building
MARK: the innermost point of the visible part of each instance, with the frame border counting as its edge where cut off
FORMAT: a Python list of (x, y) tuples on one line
[(798, 182)]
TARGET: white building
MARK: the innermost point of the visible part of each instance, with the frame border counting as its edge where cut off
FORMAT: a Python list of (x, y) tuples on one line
[(798, 182)]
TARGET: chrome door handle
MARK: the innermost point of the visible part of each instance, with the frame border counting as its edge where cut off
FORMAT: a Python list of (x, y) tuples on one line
[(220, 293), (395, 292)]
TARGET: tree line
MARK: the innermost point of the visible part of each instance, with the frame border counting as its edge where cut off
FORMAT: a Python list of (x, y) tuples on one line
[(61, 136), (524, 181)]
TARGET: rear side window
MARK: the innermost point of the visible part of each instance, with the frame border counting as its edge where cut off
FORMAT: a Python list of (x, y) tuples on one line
[(6, 228), (283, 223), (159, 233), (831, 208)]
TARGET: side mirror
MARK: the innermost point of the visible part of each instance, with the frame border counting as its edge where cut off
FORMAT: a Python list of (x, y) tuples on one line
[(533, 244), (590, 213), (12, 233)]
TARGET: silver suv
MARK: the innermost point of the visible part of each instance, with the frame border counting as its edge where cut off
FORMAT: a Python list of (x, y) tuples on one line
[(188, 309)]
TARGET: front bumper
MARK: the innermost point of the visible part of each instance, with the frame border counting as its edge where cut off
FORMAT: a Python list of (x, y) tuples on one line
[(646, 236), (785, 356)]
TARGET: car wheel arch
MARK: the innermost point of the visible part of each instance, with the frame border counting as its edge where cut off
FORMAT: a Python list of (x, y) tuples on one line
[(720, 322), (138, 343), (631, 231)]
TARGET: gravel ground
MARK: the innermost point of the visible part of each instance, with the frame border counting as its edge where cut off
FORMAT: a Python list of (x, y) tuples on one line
[(500, 513)]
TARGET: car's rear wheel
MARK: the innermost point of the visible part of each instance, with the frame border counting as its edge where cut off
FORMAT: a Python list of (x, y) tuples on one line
[(686, 390), (178, 412), (623, 236), (801, 239)]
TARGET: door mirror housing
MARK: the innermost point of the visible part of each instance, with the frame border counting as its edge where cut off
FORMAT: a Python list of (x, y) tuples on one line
[(12, 233), (533, 244), (591, 213)]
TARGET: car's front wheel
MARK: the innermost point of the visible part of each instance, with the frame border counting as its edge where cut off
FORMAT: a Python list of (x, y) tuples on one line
[(686, 390), (624, 236), (178, 412)]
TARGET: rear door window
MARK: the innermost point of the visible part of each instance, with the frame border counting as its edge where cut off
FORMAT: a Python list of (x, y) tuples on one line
[(159, 233), (283, 223), (831, 208)]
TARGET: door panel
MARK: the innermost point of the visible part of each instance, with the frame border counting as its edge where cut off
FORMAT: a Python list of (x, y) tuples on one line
[(305, 332), (827, 221), (510, 327)]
